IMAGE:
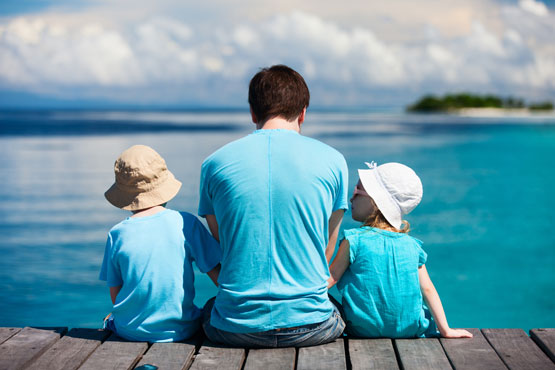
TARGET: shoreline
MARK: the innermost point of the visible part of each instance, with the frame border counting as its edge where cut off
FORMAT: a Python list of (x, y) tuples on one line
[(501, 112)]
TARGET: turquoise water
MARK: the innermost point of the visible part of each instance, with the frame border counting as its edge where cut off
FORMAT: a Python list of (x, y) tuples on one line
[(485, 218)]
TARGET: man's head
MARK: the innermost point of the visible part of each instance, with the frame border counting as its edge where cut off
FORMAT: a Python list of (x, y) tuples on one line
[(278, 91)]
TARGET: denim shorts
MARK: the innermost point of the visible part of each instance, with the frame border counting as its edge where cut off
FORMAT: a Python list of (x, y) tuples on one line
[(301, 336)]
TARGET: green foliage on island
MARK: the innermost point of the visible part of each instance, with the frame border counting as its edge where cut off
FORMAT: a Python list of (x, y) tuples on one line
[(541, 106), (450, 102)]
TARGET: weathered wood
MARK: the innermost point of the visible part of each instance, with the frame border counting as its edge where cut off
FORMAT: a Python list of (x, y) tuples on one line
[(326, 356), (472, 353), (25, 346), (42, 348), (545, 338), (517, 350), (271, 359), (70, 351), (424, 353), (168, 355), (372, 354), (212, 356), (7, 333), (115, 353)]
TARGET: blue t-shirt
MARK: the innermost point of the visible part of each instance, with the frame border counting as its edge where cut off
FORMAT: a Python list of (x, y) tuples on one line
[(272, 193), (380, 289), (151, 259)]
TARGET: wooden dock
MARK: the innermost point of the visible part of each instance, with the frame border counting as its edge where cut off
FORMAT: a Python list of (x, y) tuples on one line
[(58, 348)]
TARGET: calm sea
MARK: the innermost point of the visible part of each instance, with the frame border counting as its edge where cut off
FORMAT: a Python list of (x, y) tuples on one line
[(486, 218)]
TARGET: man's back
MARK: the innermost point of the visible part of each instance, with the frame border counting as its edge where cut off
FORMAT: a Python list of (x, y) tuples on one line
[(272, 193)]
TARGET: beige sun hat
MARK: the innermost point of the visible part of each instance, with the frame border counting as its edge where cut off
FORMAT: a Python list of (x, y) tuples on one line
[(142, 180), (395, 188)]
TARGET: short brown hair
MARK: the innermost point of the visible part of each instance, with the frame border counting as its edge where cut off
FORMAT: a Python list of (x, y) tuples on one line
[(278, 91)]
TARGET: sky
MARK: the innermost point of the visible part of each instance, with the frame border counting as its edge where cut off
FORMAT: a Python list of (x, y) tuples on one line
[(360, 53)]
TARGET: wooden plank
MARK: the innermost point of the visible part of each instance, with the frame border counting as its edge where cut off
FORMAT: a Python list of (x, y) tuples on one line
[(372, 354), (545, 338), (212, 356), (422, 353), (517, 350), (472, 353), (326, 356), (169, 355), (7, 333), (70, 351), (115, 353), (25, 346), (271, 359)]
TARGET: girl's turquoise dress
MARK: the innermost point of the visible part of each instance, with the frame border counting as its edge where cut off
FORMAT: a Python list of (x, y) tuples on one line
[(380, 289)]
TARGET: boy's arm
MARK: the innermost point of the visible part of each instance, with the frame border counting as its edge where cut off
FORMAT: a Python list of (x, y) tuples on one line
[(340, 263), (431, 297), (334, 224), (214, 273), (213, 226), (204, 248), (114, 290)]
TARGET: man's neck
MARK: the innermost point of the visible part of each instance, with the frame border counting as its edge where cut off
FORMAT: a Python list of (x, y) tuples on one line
[(279, 123)]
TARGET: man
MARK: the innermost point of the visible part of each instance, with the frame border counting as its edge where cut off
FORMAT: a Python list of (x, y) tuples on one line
[(275, 200)]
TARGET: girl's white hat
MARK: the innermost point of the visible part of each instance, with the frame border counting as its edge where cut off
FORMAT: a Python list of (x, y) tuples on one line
[(395, 188)]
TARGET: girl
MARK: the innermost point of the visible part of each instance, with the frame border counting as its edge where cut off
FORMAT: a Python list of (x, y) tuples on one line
[(381, 267)]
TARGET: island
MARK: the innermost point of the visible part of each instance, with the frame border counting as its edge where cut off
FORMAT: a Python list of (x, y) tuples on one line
[(454, 103)]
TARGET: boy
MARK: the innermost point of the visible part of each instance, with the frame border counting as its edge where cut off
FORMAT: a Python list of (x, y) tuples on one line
[(148, 257)]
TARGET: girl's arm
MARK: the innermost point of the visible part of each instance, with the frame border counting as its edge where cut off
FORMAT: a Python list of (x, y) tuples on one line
[(114, 290), (214, 273), (340, 263), (431, 298)]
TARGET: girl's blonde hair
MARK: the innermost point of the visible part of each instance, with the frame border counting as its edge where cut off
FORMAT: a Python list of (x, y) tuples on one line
[(377, 219)]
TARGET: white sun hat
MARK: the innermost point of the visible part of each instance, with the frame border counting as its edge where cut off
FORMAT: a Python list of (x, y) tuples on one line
[(395, 188)]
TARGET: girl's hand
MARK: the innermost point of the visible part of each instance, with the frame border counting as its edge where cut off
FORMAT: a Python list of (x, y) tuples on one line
[(456, 333)]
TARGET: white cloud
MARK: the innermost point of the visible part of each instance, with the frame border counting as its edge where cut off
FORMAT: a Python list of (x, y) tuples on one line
[(162, 59), (535, 7)]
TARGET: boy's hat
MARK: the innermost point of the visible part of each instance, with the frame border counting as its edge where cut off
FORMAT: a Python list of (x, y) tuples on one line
[(142, 180), (395, 188)]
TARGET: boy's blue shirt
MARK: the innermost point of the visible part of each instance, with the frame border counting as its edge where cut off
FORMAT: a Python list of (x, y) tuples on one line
[(381, 289), (272, 193), (151, 258)]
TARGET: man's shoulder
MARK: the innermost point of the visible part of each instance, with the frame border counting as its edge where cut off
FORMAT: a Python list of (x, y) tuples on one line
[(224, 151), (321, 155), (321, 146)]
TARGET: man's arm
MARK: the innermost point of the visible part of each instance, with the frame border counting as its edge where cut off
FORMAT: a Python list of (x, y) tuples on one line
[(213, 226), (334, 224), (114, 290), (214, 273)]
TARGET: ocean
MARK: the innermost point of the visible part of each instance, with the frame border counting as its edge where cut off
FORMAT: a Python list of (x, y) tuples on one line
[(485, 218)]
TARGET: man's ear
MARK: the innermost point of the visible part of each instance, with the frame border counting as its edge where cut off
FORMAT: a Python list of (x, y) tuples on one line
[(302, 116), (253, 117)]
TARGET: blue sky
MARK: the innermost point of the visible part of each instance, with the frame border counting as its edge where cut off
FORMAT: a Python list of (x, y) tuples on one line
[(171, 53)]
